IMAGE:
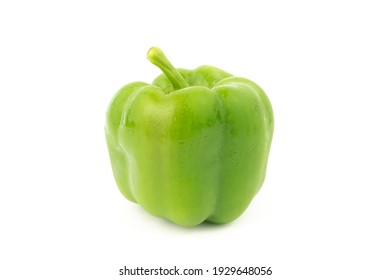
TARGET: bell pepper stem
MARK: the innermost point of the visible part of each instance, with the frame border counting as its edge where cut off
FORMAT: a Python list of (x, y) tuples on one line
[(157, 57)]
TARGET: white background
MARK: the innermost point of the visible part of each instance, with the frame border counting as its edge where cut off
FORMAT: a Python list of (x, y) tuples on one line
[(323, 211)]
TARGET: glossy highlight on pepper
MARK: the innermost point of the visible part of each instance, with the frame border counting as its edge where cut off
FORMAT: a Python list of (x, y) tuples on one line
[(191, 146)]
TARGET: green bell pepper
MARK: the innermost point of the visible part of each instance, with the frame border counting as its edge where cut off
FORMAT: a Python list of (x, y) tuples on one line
[(193, 145)]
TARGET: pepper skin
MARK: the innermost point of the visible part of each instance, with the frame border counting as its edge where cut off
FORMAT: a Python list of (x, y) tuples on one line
[(193, 145)]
